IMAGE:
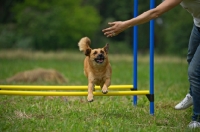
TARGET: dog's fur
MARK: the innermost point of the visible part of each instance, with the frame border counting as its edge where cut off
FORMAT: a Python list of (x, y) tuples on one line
[(97, 67)]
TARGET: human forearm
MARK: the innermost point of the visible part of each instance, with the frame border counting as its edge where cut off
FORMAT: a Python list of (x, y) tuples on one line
[(119, 26), (143, 18)]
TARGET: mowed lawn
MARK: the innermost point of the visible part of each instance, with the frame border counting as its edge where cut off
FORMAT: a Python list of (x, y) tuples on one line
[(106, 113)]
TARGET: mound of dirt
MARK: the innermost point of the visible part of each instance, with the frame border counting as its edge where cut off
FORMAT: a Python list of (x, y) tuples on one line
[(38, 75)]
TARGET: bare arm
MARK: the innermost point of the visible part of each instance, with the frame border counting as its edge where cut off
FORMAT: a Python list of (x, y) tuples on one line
[(119, 26)]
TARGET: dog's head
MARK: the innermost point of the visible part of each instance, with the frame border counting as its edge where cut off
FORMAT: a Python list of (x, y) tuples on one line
[(99, 55)]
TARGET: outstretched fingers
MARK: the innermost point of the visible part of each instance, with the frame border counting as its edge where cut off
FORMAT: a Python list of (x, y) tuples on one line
[(110, 32)]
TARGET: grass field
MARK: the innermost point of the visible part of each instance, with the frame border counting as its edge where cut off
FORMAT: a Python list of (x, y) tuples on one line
[(105, 114)]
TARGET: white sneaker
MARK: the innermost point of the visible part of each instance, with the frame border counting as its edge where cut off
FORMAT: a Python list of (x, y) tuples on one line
[(194, 124), (185, 103)]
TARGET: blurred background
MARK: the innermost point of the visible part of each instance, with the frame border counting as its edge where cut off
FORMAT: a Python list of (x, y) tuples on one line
[(53, 25)]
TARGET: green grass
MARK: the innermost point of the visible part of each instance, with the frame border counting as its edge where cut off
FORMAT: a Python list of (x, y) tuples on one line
[(105, 114)]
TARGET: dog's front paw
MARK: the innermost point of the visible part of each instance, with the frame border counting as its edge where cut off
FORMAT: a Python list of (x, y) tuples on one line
[(90, 98), (104, 90)]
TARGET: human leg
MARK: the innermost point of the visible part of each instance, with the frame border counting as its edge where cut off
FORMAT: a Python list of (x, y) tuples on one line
[(194, 78), (192, 47)]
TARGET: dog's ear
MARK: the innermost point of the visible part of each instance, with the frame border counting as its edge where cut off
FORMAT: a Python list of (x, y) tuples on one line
[(106, 48), (87, 52)]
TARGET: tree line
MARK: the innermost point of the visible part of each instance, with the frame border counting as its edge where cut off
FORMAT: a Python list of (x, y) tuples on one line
[(59, 24)]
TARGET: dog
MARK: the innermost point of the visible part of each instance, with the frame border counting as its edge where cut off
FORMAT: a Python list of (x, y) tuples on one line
[(97, 67)]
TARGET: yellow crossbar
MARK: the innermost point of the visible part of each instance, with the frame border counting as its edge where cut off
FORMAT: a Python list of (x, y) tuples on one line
[(39, 93), (38, 87)]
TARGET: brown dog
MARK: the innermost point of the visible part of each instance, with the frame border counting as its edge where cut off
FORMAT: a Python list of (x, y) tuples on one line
[(96, 67)]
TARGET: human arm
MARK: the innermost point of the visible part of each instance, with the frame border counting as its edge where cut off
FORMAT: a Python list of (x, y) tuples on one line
[(119, 26)]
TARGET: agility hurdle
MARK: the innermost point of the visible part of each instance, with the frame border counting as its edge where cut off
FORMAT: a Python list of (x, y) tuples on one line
[(17, 90), (14, 90), (41, 87), (77, 93), (135, 56), (27, 90)]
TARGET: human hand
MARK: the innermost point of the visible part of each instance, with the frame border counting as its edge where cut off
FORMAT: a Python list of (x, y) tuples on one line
[(114, 29)]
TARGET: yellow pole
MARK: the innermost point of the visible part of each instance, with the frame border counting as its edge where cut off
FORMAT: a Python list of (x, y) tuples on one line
[(41, 87), (39, 93)]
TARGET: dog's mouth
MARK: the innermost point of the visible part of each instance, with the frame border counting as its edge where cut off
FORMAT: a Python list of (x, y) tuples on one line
[(100, 59)]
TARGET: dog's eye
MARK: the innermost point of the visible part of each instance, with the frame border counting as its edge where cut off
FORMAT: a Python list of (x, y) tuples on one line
[(102, 52), (95, 52)]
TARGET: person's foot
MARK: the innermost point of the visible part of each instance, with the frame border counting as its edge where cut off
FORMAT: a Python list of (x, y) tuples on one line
[(194, 124), (185, 103)]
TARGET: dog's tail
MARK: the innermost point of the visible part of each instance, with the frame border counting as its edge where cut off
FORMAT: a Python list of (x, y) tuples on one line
[(84, 44)]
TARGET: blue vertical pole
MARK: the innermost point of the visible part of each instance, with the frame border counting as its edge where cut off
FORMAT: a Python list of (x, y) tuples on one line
[(152, 5), (135, 48)]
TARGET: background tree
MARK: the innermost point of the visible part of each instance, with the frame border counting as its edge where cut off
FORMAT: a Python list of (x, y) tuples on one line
[(55, 24), (59, 24)]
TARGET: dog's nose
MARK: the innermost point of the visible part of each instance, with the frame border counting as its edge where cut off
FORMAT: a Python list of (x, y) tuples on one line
[(100, 56)]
